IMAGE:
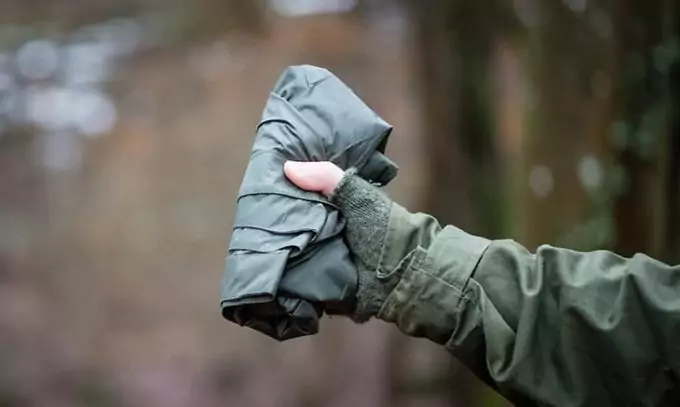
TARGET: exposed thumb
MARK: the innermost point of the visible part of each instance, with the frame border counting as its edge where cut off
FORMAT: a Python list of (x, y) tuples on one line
[(317, 176)]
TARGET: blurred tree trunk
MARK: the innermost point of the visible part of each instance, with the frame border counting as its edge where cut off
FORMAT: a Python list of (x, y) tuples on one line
[(672, 233), (446, 195), (456, 40), (648, 205), (568, 111)]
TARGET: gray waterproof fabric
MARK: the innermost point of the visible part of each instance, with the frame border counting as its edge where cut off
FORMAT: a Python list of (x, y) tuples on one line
[(287, 262)]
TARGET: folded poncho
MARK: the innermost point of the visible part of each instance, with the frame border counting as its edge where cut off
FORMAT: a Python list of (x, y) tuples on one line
[(287, 262)]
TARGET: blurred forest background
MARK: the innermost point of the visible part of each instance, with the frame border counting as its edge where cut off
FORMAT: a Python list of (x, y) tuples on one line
[(125, 128)]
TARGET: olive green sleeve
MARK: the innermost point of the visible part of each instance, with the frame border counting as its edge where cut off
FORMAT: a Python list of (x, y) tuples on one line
[(553, 327), (550, 328)]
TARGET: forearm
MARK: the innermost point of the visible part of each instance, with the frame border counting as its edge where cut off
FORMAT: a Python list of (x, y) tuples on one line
[(555, 327), (594, 328)]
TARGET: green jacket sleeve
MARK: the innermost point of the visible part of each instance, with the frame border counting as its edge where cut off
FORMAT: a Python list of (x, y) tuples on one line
[(550, 328)]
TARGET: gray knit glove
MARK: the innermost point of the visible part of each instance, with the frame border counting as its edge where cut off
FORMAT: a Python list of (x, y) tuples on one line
[(367, 211)]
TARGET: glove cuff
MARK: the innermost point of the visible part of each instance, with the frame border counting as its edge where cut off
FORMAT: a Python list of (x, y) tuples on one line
[(367, 211), (371, 294)]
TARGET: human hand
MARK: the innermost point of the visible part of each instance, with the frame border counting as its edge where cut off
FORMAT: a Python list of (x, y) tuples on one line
[(362, 204), (318, 176), (367, 213)]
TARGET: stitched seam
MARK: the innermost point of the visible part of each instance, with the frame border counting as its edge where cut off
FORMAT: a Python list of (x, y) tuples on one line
[(457, 289)]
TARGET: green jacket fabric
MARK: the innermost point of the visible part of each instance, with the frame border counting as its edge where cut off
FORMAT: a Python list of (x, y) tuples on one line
[(288, 262), (550, 328)]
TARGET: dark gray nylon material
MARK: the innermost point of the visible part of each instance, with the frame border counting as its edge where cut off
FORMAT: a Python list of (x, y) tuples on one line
[(287, 262)]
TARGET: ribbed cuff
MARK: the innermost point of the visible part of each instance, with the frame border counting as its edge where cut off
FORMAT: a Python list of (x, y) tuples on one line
[(367, 211)]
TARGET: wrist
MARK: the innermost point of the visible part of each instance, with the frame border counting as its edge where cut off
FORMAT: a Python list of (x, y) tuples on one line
[(367, 211)]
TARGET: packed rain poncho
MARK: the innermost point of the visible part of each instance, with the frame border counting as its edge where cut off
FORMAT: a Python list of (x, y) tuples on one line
[(287, 262)]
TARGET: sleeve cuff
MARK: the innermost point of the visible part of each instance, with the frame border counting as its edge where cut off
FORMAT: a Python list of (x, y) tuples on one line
[(431, 290)]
